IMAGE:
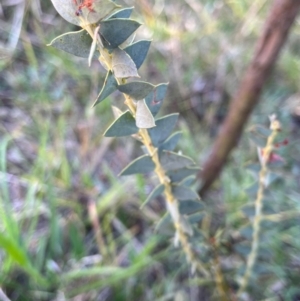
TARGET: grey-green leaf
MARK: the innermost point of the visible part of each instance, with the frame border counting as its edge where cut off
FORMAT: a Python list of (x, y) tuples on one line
[(77, 43), (184, 193), (243, 248), (116, 31), (143, 164), (158, 190), (261, 130), (123, 126), (252, 190), (180, 174), (155, 99), (248, 210), (196, 218), (172, 161), (190, 206), (165, 225), (101, 9), (163, 129), (171, 142), (143, 116), (258, 140), (122, 64), (188, 181), (138, 51), (124, 13), (136, 90), (109, 86), (246, 231)]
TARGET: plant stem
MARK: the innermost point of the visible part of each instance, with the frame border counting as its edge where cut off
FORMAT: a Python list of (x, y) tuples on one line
[(275, 127), (93, 214), (171, 201)]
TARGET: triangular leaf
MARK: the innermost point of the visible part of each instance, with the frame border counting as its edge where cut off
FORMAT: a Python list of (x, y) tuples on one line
[(137, 90), (109, 86), (124, 13), (122, 64), (116, 31), (163, 129), (247, 231), (254, 169), (252, 190), (190, 207), (123, 126), (196, 218), (143, 116), (155, 99), (165, 225), (69, 9), (143, 164), (243, 248), (188, 181), (171, 142), (263, 269), (172, 161), (258, 140), (138, 52), (158, 190), (77, 43), (261, 130), (248, 210), (184, 193), (178, 175)]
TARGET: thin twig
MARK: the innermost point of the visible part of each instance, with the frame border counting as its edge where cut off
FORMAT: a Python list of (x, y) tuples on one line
[(275, 127)]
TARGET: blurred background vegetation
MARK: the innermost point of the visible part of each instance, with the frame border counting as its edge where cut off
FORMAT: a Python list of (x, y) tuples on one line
[(57, 169)]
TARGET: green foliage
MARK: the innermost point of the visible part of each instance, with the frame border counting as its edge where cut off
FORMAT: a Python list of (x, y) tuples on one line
[(50, 248), (138, 52), (136, 90), (143, 164), (76, 43), (123, 126), (143, 101), (109, 86)]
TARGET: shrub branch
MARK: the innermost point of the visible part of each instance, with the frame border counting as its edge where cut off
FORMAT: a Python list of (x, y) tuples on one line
[(275, 127), (172, 203), (273, 37)]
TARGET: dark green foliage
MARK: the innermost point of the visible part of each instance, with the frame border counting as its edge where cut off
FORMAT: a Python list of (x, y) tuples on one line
[(184, 193), (77, 43), (177, 175), (136, 90), (142, 164), (117, 31), (138, 52), (123, 126), (173, 161), (163, 129), (158, 190), (155, 99), (190, 206), (109, 86), (171, 142)]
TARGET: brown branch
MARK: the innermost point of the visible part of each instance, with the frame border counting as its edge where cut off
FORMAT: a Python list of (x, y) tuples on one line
[(274, 35)]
